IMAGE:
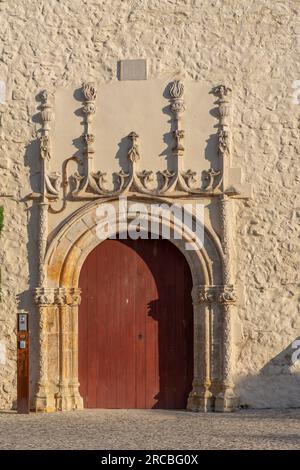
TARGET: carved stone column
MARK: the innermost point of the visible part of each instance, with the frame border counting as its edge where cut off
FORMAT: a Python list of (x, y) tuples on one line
[(227, 400), (63, 396), (74, 383), (200, 398), (44, 298)]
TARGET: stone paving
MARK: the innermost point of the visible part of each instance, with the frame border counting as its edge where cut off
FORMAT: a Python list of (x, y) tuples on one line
[(151, 429)]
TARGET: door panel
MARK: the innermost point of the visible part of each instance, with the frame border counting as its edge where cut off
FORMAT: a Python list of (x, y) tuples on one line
[(135, 326)]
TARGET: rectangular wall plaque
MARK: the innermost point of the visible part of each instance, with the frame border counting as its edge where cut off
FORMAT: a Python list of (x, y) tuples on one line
[(132, 69)]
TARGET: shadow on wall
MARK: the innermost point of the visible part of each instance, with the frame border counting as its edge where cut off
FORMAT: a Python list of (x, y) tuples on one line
[(277, 385)]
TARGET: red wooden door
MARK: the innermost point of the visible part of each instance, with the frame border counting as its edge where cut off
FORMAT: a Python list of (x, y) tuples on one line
[(135, 326)]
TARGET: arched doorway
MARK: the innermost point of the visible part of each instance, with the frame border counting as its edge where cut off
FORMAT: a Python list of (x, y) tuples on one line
[(135, 326)]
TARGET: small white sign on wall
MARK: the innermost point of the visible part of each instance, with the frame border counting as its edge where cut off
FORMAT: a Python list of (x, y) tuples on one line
[(2, 352)]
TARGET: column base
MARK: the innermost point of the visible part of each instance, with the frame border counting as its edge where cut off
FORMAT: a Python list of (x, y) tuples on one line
[(200, 402), (43, 403), (77, 400), (68, 400), (226, 401)]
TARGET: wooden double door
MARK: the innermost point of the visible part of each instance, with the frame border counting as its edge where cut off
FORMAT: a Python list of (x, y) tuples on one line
[(135, 326)]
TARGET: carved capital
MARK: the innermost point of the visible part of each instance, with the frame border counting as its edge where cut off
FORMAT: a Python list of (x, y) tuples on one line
[(228, 294), (44, 296), (74, 296), (203, 294), (224, 294), (61, 296)]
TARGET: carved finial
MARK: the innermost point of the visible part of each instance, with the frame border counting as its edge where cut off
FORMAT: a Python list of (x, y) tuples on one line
[(176, 93), (90, 91), (176, 89), (46, 112), (222, 91)]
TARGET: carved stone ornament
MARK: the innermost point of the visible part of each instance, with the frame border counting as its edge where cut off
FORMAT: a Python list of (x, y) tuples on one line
[(224, 143), (228, 295), (89, 91), (44, 296), (219, 293), (176, 93), (223, 92), (88, 183), (57, 296), (91, 184)]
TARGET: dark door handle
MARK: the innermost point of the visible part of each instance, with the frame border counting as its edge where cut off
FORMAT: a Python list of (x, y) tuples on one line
[(140, 336)]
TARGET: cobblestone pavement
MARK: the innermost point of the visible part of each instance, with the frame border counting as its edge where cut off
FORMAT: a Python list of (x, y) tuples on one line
[(151, 429)]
